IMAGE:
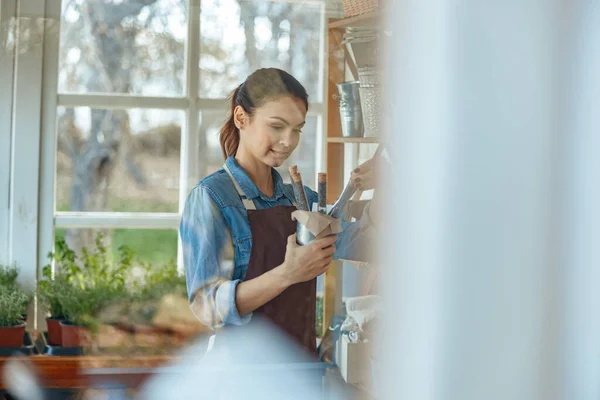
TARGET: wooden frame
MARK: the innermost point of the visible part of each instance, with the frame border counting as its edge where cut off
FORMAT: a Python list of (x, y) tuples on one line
[(338, 59)]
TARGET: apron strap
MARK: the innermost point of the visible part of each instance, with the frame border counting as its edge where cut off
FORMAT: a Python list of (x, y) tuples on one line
[(248, 203)]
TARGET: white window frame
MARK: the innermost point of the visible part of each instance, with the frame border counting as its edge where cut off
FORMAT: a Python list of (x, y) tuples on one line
[(8, 10), (191, 104), (23, 214)]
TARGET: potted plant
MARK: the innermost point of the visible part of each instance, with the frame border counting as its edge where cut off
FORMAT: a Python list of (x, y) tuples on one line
[(53, 286), (13, 305), (94, 282)]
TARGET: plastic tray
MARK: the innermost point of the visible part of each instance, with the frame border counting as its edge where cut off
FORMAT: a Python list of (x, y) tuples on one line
[(27, 349), (58, 350)]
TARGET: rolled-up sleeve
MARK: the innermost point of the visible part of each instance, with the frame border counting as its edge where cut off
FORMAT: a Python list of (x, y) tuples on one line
[(205, 238)]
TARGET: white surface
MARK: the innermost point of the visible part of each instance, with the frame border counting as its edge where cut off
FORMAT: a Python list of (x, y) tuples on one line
[(355, 362), (23, 241), (581, 213), (7, 11)]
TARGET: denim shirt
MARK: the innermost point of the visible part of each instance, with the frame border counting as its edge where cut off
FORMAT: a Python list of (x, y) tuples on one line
[(217, 240)]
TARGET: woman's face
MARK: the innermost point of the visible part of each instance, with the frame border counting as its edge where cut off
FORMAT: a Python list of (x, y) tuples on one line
[(273, 132)]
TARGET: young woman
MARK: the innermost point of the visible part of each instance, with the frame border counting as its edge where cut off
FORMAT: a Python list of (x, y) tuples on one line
[(243, 213)]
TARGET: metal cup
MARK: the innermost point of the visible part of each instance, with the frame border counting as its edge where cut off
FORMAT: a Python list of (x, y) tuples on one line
[(303, 235), (350, 109)]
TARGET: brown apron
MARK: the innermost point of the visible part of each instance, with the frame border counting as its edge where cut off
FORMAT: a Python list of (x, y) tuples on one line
[(294, 310)]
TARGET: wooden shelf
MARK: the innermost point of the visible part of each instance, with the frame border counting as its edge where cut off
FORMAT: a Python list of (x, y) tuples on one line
[(359, 20), (352, 140), (80, 372)]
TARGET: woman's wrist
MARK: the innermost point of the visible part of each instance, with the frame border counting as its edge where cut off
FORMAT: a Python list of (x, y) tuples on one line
[(280, 275)]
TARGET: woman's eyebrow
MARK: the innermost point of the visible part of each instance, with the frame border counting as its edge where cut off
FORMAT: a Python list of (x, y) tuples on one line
[(287, 123)]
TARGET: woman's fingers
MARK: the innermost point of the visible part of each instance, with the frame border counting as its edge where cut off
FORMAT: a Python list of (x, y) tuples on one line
[(326, 263), (329, 251), (364, 181), (292, 239), (325, 242), (363, 177)]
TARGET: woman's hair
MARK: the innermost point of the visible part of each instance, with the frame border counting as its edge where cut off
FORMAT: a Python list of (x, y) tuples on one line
[(263, 85)]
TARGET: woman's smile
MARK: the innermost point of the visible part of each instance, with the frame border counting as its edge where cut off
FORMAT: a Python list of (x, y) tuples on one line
[(280, 154)]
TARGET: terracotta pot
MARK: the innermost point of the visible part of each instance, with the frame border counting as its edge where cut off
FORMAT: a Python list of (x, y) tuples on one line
[(74, 335), (54, 331), (12, 336)]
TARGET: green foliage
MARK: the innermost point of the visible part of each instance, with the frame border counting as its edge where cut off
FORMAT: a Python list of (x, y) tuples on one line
[(13, 300), (145, 290), (150, 245), (160, 280), (13, 304), (84, 285), (93, 286), (50, 291), (53, 287), (8, 275)]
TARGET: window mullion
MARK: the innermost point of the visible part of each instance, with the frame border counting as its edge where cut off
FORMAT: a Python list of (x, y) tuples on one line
[(120, 101), (116, 220), (46, 192), (189, 134)]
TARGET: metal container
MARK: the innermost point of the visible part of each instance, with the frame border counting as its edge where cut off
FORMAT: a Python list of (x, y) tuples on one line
[(370, 93), (350, 109), (365, 51), (363, 44), (303, 235)]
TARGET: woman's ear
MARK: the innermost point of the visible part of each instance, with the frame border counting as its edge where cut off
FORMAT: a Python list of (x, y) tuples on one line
[(240, 118)]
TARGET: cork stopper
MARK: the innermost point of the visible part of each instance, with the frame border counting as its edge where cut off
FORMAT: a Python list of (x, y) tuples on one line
[(296, 177), (322, 177)]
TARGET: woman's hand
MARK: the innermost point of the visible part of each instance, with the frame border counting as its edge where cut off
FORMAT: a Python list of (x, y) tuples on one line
[(365, 176), (303, 263)]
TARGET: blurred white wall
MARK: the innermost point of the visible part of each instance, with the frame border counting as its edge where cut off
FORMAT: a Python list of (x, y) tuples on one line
[(490, 257)]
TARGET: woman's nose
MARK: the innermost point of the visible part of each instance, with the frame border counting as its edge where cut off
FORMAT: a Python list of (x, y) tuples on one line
[(286, 138)]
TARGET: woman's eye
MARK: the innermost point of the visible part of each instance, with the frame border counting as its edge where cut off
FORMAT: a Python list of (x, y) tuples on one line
[(277, 127), (298, 131)]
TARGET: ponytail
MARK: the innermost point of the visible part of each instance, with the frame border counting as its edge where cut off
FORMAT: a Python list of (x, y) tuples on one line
[(262, 85), (230, 134)]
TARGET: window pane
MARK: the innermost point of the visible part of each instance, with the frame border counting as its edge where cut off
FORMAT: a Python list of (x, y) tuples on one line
[(118, 160), (150, 245), (209, 157), (132, 47), (238, 37)]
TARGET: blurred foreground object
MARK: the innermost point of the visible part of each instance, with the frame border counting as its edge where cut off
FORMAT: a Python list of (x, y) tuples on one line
[(19, 378), (256, 361), (491, 266)]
